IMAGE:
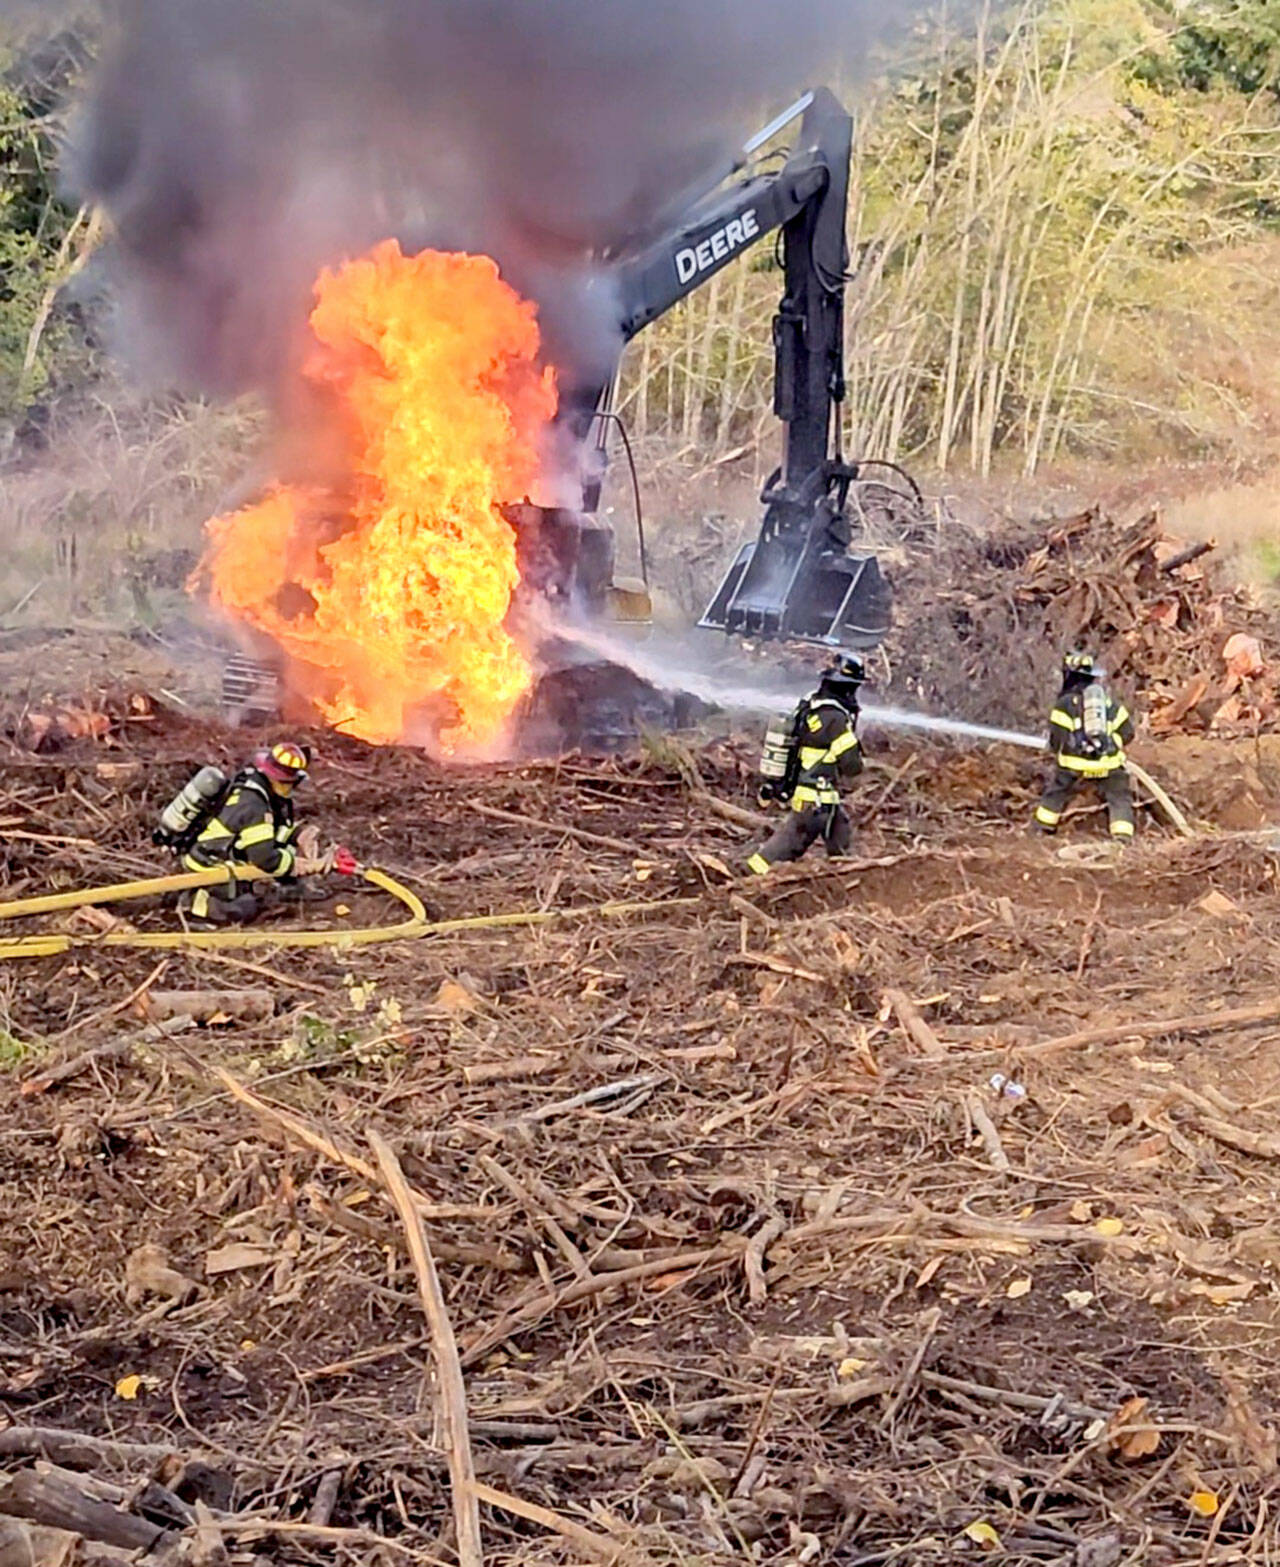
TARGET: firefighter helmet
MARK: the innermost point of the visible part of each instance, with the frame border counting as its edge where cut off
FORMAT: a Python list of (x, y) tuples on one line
[(1078, 663), (285, 762), (842, 678)]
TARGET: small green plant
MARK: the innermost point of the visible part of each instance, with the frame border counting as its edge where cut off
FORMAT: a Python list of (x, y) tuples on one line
[(1266, 560), (316, 1037), (13, 1051), (376, 1038)]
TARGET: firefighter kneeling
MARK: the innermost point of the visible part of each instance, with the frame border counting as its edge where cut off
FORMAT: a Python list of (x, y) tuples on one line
[(803, 764), (246, 820), (1088, 731)]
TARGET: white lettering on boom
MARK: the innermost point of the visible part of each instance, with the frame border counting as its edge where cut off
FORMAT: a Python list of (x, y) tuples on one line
[(717, 247)]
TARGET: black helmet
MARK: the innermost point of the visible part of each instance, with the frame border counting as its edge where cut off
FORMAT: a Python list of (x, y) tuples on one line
[(1078, 665), (843, 677)]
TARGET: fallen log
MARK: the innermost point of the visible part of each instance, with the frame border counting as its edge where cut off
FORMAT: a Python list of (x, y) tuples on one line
[(80, 1452), (50, 1500), (989, 1134), (514, 1071), (737, 814), (1260, 1144), (326, 1496), (444, 1349), (924, 1038), (24, 1544), (1186, 556), (153, 1501)]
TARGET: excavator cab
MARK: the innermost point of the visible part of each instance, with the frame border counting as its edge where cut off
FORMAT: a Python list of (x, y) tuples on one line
[(567, 560)]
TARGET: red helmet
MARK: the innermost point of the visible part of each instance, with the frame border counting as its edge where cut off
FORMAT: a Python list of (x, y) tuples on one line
[(286, 762)]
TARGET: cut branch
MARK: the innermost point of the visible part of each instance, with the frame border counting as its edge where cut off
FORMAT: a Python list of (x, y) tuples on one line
[(444, 1347)]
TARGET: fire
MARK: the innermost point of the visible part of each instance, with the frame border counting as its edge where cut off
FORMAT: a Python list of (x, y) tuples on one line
[(387, 593)]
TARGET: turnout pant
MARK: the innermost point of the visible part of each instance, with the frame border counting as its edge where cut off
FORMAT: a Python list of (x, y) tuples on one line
[(1113, 787), (802, 829), (229, 903)]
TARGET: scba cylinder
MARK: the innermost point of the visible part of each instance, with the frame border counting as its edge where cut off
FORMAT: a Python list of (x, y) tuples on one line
[(1094, 710), (775, 755), (192, 800)]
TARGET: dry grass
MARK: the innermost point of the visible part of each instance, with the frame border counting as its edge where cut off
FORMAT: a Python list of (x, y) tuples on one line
[(108, 510)]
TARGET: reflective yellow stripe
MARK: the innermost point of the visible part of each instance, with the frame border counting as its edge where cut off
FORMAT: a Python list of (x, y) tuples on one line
[(804, 797), (1119, 721), (1122, 829), (812, 755), (286, 864), (1064, 720), (758, 864), (260, 832), (840, 745), (200, 903), (1046, 817), (1091, 767)]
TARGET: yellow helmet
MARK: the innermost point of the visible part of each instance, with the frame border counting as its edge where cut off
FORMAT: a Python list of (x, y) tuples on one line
[(285, 762)]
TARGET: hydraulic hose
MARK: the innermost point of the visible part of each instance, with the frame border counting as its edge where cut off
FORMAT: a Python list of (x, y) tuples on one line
[(417, 925)]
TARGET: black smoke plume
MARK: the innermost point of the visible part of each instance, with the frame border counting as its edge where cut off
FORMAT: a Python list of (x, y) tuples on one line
[(239, 145)]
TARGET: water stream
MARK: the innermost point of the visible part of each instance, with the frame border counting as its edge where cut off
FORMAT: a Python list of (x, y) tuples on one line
[(675, 673)]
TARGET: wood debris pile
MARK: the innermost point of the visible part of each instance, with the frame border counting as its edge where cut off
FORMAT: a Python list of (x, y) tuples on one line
[(1201, 653), (984, 624)]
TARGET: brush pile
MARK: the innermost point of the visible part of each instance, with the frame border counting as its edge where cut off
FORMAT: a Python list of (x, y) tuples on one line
[(984, 620)]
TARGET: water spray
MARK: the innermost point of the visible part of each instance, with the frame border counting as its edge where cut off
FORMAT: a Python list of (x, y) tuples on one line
[(719, 691), (903, 718)]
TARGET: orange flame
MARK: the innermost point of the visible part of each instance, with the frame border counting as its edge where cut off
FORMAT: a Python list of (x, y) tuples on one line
[(389, 598)]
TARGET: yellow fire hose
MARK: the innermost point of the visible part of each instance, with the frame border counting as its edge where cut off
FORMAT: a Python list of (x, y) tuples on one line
[(417, 925)]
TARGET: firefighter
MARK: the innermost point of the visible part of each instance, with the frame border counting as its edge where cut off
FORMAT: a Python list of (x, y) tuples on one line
[(251, 824), (822, 749), (1088, 731)]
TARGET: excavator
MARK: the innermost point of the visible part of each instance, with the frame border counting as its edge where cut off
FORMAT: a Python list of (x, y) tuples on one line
[(803, 578)]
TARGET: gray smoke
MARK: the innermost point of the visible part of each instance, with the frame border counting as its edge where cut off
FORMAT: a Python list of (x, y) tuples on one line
[(238, 145)]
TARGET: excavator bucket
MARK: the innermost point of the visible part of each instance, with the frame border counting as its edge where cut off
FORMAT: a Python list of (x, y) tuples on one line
[(782, 588), (802, 579)]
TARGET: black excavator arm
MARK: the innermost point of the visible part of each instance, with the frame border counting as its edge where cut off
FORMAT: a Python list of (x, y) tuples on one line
[(800, 578)]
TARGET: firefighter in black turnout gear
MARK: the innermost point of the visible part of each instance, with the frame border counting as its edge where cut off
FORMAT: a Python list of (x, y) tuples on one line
[(247, 820), (818, 750), (1088, 731)]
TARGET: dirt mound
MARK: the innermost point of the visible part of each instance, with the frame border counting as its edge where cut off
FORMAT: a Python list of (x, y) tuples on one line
[(749, 1253)]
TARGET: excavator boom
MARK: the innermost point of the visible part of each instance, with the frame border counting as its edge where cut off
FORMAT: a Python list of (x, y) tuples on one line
[(801, 578)]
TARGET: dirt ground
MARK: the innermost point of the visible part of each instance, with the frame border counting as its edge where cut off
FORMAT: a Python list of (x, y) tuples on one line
[(740, 1267)]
